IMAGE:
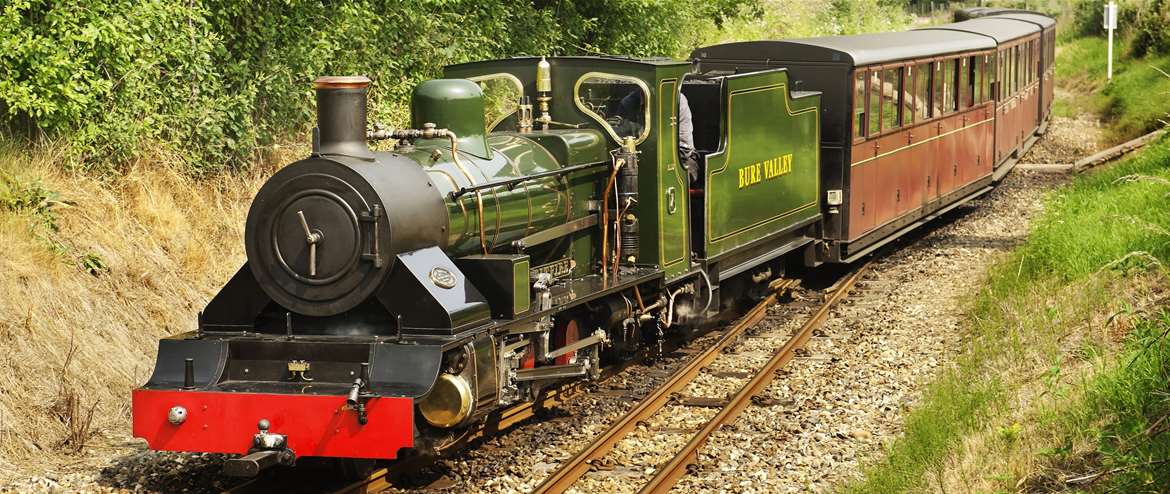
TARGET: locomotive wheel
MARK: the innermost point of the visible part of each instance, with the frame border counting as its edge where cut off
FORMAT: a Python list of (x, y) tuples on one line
[(529, 360), (565, 333)]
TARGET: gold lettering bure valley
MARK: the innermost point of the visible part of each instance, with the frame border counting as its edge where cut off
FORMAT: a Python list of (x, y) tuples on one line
[(765, 170)]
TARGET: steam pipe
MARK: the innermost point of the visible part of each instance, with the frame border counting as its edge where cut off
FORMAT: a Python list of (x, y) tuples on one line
[(430, 132)]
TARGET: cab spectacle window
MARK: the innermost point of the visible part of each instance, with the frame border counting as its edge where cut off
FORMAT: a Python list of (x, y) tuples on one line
[(619, 103), (501, 94)]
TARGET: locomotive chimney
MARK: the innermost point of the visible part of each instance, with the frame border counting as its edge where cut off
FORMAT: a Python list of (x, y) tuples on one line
[(341, 116)]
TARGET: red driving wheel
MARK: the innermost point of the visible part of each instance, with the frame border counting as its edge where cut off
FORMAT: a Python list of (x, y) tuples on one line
[(564, 333)]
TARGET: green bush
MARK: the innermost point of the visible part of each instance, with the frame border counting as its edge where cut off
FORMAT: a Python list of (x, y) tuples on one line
[(1152, 28), (216, 82), (1143, 24)]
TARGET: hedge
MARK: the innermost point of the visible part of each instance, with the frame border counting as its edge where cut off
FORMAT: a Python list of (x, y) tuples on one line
[(218, 82)]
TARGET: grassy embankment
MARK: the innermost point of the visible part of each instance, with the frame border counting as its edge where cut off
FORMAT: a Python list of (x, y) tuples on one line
[(1134, 103), (1061, 385)]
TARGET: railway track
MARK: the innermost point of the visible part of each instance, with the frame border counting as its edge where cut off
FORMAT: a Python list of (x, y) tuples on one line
[(575, 468), (315, 481), (669, 473)]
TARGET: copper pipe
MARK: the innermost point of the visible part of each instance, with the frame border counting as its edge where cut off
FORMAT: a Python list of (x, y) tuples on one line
[(478, 194), (605, 220)]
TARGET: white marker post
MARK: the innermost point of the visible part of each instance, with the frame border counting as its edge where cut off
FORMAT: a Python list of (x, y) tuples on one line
[(1110, 25)]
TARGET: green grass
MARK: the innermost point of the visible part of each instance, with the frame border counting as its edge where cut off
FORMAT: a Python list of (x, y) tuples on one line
[(1093, 236), (1135, 102), (1101, 218), (1126, 413)]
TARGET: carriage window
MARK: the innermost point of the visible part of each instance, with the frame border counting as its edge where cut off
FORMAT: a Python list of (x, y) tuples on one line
[(1000, 78), (617, 102), (922, 91), (936, 100), (1027, 67), (1005, 60), (501, 93), (1027, 63), (891, 98), (1009, 71), (1015, 68), (948, 90), (875, 101), (963, 83), (909, 110), (973, 81), (859, 104), (985, 75), (992, 76), (977, 80)]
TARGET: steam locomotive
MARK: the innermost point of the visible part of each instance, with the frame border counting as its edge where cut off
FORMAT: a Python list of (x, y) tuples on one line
[(393, 298)]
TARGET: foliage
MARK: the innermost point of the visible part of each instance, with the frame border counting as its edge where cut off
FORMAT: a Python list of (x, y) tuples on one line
[(29, 196), (1143, 24), (1136, 101), (1151, 28), (217, 82)]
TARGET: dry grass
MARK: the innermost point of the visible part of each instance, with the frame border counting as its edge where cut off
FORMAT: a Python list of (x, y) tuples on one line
[(84, 300)]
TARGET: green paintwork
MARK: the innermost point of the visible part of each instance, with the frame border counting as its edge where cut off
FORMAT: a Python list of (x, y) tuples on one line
[(761, 124), (522, 298), (570, 147), (665, 238), (453, 104), (509, 213)]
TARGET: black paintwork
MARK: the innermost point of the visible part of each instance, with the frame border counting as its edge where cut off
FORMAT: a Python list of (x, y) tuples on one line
[(423, 306), (494, 275)]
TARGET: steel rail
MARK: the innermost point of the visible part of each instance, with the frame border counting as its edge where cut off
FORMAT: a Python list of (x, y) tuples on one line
[(576, 467), (500, 421), (669, 474)]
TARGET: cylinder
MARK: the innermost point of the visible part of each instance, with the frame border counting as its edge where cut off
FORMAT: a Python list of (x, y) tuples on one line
[(341, 116), (448, 403)]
